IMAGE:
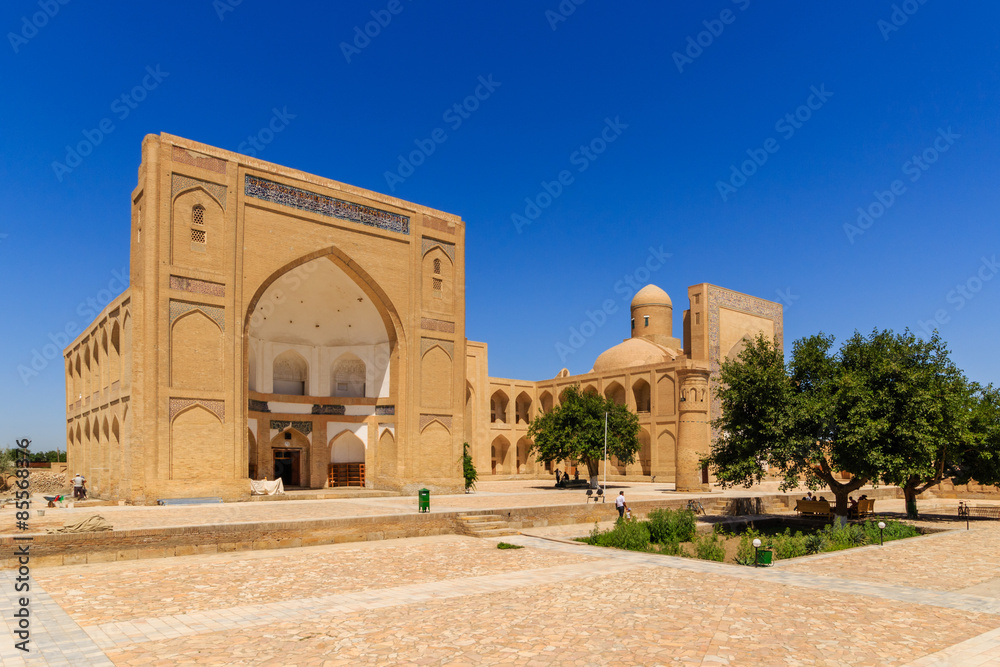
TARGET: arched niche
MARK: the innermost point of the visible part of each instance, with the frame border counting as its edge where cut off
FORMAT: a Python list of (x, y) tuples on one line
[(615, 392), (196, 352), (345, 447), (197, 236), (498, 407), (348, 376), (290, 374)]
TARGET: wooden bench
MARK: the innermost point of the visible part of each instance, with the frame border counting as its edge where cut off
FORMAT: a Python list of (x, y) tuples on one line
[(983, 511), (814, 507), (188, 501), (864, 509)]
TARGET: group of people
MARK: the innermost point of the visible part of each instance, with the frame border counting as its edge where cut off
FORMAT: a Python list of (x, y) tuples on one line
[(853, 504), (562, 478), (810, 496)]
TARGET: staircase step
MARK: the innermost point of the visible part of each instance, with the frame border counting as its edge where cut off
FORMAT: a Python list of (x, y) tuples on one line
[(495, 532)]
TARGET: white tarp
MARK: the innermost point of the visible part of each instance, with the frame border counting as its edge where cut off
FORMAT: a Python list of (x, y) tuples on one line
[(266, 488)]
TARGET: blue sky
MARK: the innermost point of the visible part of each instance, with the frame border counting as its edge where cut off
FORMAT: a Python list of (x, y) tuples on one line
[(869, 86)]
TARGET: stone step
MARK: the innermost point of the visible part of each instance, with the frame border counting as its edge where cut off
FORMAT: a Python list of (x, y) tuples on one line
[(495, 532)]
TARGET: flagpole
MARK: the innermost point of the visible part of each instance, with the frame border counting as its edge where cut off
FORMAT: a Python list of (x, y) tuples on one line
[(605, 450)]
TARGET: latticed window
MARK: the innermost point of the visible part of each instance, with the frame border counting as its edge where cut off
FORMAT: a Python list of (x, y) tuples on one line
[(197, 235), (437, 267), (198, 215), (437, 284)]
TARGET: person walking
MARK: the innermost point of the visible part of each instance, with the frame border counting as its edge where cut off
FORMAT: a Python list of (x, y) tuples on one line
[(620, 505)]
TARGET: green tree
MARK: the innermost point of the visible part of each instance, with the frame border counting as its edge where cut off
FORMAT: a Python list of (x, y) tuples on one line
[(468, 469), (575, 431), (888, 408)]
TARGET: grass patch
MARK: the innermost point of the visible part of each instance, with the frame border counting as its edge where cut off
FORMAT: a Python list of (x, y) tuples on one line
[(508, 545)]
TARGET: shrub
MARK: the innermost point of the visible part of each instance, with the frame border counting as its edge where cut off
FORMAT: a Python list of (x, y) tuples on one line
[(671, 549), (710, 547), (631, 535), (508, 545), (815, 543), (667, 525), (745, 554), (787, 545)]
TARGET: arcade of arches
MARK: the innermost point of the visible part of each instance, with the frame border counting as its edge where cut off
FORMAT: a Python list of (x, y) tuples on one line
[(280, 324)]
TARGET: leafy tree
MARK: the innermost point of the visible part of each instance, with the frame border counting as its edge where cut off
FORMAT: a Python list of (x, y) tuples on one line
[(575, 431), (888, 408), (468, 469)]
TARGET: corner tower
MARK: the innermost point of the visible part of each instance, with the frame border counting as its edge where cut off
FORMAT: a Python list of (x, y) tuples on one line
[(653, 317)]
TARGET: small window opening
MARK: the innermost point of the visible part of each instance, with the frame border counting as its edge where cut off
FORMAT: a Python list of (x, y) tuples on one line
[(437, 284), (437, 267), (198, 215), (633, 324), (646, 320)]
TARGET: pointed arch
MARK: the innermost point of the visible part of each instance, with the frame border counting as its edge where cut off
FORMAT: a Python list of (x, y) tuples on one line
[(645, 455), (196, 352), (191, 430), (348, 376), (498, 407), (641, 394), (615, 392), (290, 371), (115, 364), (500, 463), (591, 389), (522, 408), (524, 464), (346, 447), (436, 378), (545, 401)]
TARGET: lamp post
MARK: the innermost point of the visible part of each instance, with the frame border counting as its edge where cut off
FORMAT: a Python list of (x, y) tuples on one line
[(756, 546), (881, 527)]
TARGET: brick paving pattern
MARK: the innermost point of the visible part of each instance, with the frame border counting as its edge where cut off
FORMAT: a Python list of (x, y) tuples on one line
[(454, 600)]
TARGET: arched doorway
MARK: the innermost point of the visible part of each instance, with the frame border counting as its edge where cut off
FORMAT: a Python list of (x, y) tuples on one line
[(347, 460)]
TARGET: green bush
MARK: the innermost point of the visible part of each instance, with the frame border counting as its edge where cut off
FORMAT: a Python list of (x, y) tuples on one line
[(787, 545), (671, 549), (815, 543), (745, 553), (508, 545), (710, 547), (632, 535), (667, 525)]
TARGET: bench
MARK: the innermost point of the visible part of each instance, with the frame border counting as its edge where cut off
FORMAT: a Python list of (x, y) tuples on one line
[(594, 495), (814, 507), (864, 509), (188, 501), (983, 512)]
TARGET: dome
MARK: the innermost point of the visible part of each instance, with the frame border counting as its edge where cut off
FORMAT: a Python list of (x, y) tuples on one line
[(651, 295), (631, 352)]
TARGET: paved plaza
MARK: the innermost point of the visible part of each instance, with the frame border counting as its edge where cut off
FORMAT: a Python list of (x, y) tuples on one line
[(456, 600)]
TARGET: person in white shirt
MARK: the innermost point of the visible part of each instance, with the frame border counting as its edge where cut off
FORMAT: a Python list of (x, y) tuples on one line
[(620, 504), (79, 486)]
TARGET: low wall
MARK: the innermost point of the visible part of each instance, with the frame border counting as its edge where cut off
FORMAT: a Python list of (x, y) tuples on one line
[(103, 547)]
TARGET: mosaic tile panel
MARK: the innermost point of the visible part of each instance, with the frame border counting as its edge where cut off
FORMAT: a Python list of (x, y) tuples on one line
[(385, 410), (427, 244), (197, 286), (286, 195), (428, 343), (197, 160), (329, 410), (181, 183), (257, 406), (427, 419), (217, 314), (216, 407), (437, 325), (302, 427)]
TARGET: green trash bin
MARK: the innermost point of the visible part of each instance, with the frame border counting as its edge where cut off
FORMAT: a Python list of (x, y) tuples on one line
[(764, 557), (424, 502)]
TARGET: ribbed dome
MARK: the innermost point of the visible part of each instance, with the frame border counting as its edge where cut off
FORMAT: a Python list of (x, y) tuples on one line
[(632, 352), (651, 295)]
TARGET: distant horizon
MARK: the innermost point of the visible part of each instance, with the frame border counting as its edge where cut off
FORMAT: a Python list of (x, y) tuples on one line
[(836, 159)]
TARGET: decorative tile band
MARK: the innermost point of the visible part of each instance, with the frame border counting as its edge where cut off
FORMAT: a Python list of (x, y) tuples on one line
[(198, 160), (286, 195), (385, 410), (180, 183), (427, 419), (257, 406), (437, 325), (427, 244), (329, 410), (178, 308), (302, 427), (216, 407), (428, 343), (197, 286)]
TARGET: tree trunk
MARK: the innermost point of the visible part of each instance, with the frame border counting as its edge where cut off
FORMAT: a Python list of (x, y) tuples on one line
[(593, 468), (910, 496), (840, 490)]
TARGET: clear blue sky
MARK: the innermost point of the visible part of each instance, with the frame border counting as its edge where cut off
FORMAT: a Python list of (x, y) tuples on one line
[(886, 95)]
